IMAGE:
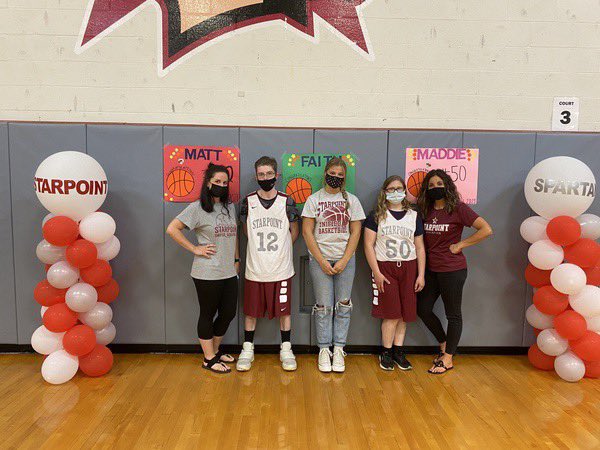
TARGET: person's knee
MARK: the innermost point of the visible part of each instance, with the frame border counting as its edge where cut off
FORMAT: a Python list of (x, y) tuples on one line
[(423, 310), (343, 307), (322, 311)]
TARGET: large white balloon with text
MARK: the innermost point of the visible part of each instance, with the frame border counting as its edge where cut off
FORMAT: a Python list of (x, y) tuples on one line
[(70, 184)]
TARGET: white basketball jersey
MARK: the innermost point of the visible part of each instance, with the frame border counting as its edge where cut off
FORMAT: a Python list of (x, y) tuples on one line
[(396, 238), (269, 252)]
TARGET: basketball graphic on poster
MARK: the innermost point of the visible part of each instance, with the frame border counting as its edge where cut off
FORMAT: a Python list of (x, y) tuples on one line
[(180, 181), (414, 183), (299, 189)]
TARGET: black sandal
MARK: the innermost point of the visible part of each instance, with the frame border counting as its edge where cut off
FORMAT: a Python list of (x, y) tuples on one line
[(440, 364), (438, 357), (210, 365), (222, 355)]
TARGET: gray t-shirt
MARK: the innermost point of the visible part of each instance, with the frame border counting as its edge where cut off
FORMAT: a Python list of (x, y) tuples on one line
[(332, 227), (219, 228)]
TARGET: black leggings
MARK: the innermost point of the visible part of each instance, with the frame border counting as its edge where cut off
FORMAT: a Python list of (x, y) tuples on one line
[(213, 296), (450, 286)]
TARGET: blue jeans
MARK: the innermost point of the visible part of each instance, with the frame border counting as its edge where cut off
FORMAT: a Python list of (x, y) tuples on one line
[(331, 295)]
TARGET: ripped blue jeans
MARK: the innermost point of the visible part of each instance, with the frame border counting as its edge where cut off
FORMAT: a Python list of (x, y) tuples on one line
[(333, 306)]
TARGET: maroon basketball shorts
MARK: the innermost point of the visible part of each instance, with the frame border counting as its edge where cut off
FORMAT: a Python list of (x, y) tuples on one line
[(272, 298), (399, 299)]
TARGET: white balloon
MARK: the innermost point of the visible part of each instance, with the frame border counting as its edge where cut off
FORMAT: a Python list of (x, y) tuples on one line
[(81, 297), (70, 184), (106, 335), (533, 229), (62, 275), (97, 227), (568, 278), (587, 301), (109, 249), (560, 186), (551, 343), (45, 341), (98, 317), (59, 367), (590, 226), (545, 254), (48, 253), (538, 319), (46, 218), (43, 310), (569, 367), (593, 323)]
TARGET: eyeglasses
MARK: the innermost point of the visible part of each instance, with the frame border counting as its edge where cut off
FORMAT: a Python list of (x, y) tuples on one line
[(392, 190), (266, 176)]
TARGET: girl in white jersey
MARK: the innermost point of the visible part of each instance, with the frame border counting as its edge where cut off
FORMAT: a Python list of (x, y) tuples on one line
[(396, 254)]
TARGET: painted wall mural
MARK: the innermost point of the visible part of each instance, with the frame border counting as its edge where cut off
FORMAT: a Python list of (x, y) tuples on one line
[(189, 25)]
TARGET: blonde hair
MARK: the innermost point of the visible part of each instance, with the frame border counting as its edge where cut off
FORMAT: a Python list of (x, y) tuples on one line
[(382, 207), (338, 162)]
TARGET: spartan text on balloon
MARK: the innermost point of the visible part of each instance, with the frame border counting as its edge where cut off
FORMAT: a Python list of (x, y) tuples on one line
[(58, 186), (582, 188)]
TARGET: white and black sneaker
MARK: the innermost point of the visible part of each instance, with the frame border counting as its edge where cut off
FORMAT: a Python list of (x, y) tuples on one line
[(386, 361), (324, 360), (401, 361)]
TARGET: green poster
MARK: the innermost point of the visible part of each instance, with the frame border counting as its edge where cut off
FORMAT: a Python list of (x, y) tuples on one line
[(303, 173)]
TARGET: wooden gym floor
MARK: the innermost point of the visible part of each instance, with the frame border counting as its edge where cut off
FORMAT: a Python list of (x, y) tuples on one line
[(167, 401)]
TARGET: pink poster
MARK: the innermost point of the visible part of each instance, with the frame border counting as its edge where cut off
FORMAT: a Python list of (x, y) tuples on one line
[(462, 164)]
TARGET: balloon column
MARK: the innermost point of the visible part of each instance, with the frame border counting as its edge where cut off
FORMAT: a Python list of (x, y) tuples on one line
[(564, 268), (78, 241)]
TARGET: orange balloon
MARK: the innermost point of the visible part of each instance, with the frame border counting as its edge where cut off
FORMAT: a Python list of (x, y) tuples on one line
[(79, 340), (60, 231), (537, 277), (109, 292), (563, 230), (587, 347), (584, 253), (82, 253), (47, 295), (537, 331), (59, 318), (97, 274), (570, 325), (98, 362), (549, 301), (540, 360), (592, 369)]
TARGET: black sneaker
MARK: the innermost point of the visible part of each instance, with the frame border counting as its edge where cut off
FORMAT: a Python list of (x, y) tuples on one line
[(386, 362), (401, 361)]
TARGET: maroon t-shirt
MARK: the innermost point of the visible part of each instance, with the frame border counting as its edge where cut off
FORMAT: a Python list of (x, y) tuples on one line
[(441, 231)]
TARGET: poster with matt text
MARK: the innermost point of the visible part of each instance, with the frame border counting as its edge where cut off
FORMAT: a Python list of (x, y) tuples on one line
[(184, 166), (461, 164), (303, 173)]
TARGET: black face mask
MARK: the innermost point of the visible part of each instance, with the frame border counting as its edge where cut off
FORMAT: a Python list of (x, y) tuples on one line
[(333, 181), (218, 191), (437, 193), (267, 185)]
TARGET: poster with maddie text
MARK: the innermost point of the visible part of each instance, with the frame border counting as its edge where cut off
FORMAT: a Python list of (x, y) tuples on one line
[(184, 166), (461, 164), (303, 173)]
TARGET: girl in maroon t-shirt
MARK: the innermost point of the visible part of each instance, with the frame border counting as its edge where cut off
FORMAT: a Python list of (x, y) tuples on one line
[(444, 217)]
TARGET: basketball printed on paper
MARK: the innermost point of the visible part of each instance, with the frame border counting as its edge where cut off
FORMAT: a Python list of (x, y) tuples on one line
[(184, 166), (461, 164), (302, 173)]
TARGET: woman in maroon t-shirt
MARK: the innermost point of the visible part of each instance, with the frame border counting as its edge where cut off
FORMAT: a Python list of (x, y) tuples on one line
[(444, 217)]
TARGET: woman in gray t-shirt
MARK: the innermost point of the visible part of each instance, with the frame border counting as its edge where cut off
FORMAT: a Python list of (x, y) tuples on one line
[(216, 262)]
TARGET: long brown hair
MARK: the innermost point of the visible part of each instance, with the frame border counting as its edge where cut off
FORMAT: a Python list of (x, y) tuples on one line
[(338, 162), (381, 207), (452, 196)]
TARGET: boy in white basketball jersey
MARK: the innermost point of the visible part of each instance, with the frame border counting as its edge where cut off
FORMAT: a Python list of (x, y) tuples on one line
[(270, 220)]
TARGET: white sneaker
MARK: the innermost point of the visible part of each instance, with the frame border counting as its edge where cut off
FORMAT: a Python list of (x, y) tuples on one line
[(246, 357), (339, 364), (324, 360), (287, 358)]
